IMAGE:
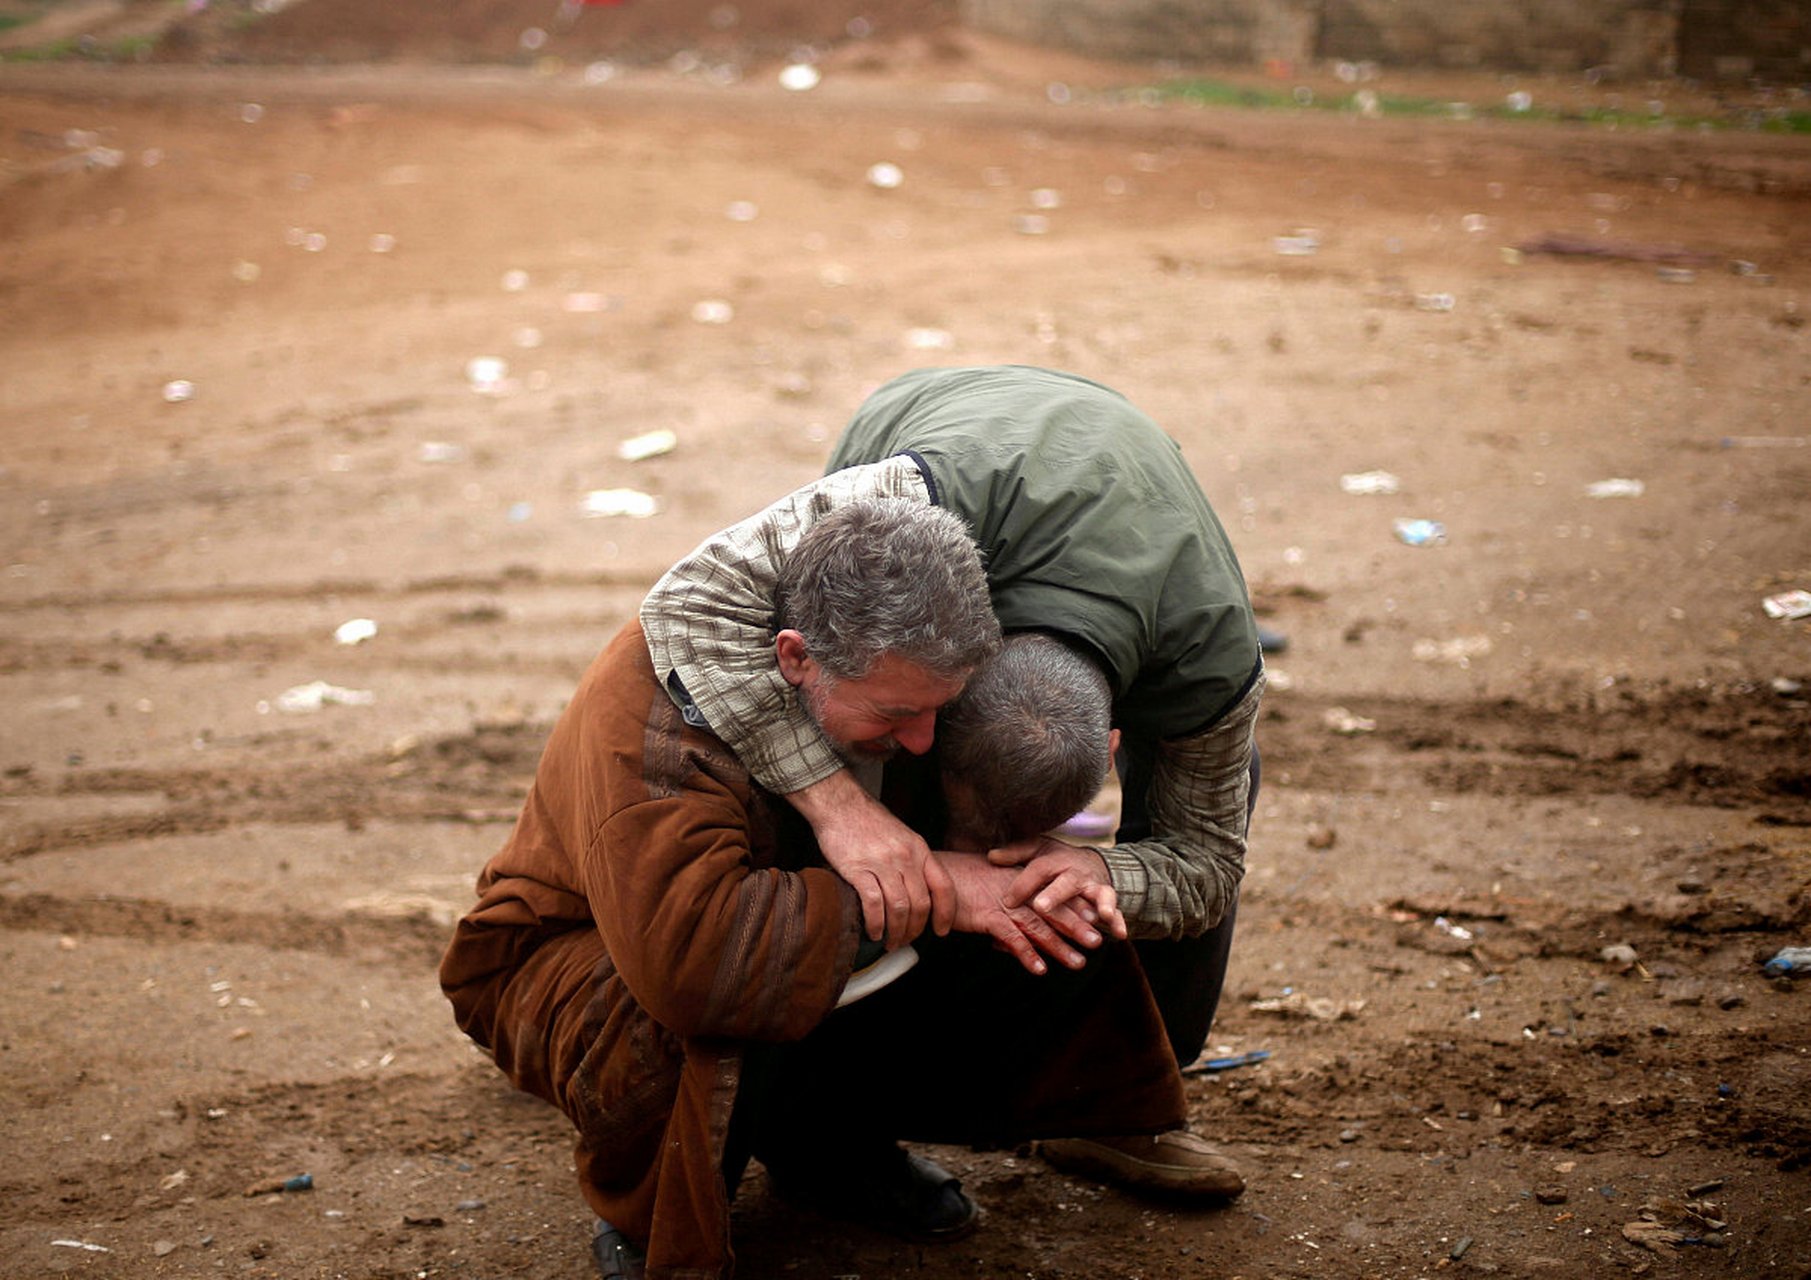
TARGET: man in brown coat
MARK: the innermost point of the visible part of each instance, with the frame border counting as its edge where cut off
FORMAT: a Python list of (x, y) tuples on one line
[(659, 951)]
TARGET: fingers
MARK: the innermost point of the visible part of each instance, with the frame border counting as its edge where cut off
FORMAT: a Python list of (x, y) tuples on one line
[(1047, 940), (1014, 943), (1068, 921), (873, 907), (1016, 854), (942, 888)]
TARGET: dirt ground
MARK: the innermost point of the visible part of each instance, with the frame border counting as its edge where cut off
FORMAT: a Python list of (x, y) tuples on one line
[(1572, 726)]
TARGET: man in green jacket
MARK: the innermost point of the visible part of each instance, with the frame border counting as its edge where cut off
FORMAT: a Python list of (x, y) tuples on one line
[(1093, 530)]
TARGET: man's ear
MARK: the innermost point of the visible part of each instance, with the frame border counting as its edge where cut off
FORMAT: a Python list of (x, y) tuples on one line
[(1112, 743), (796, 665)]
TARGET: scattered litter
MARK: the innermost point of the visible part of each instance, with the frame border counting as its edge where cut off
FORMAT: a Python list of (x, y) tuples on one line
[(600, 72), (1675, 275), (1420, 533), (169, 1182), (1435, 302), (1789, 962), (1368, 482), (382, 243), (1617, 488), (251, 112), (1298, 1004), (1621, 955), (619, 502), (468, 1206), (247, 272), (799, 77), (519, 512), (1520, 100), (1765, 442), (1343, 722), (713, 311), (439, 451), (355, 631), (1459, 651), (1786, 686), (1667, 1223), (1207, 1066), (318, 693), (1301, 243), (583, 303), (1031, 224), (1788, 604), (648, 445), (885, 176), (487, 374), (80, 1244), (1046, 198), (514, 281), (276, 1186), (929, 339), (1452, 930), (178, 391)]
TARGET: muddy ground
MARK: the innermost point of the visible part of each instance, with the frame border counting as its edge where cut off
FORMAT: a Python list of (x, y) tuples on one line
[(1571, 726)]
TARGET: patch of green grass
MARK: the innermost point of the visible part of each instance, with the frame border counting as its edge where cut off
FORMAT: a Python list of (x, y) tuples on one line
[(127, 49), (1221, 93)]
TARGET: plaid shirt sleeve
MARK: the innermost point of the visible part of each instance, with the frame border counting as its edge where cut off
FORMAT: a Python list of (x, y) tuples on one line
[(1182, 880), (710, 622)]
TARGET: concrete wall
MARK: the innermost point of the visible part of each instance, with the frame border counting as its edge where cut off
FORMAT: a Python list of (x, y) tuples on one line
[(1707, 39)]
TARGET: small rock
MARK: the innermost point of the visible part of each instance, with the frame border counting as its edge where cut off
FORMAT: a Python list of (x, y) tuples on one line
[(1348, 1135), (1320, 837), (1550, 1195), (163, 1248)]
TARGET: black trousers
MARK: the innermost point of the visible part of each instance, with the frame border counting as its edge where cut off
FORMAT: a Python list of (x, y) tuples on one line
[(1187, 974)]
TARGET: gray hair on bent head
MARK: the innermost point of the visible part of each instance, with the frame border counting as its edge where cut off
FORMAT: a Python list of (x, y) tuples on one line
[(1029, 736), (889, 575)]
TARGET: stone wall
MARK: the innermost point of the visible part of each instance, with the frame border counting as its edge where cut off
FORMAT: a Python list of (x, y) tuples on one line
[(1706, 39)]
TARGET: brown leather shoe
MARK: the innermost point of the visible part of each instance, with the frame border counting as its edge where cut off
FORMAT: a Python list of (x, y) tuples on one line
[(1178, 1162)]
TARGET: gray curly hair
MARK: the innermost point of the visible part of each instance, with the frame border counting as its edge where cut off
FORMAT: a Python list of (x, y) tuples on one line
[(888, 575)]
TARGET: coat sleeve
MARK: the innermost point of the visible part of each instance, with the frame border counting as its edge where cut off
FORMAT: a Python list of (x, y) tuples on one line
[(1180, 881)]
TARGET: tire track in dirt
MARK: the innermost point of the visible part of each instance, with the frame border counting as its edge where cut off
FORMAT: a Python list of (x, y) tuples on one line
[(414, 939), (1745, 747)]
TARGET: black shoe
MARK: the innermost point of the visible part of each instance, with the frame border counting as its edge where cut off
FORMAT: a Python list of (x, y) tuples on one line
[(893, 1191), (616, 1258)]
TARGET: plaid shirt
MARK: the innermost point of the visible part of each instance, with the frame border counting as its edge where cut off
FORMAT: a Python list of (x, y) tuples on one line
[(710, 627)]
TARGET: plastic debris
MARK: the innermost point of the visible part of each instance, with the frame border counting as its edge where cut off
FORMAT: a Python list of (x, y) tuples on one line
[(1764, 442), (90, 1246), (382, 242), (1346, 724), (277, 1186), (1617, 488), (179, 391), (648, 445), (1619, 955), (318, 693), (1435, 302), (1368, 482), (799, 77), (1459, 651), (1789, 962), (1297, 244), (1208, 1066), (885, 176), (1788, 604), (1520, 100), (713, 311), (487, 374), (1420, 533), (619, 502), (355, 631), (1675, 275), (1046, 198), (439, 451), (1299, 1004)]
